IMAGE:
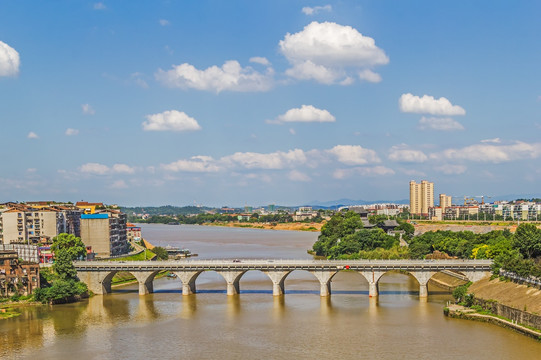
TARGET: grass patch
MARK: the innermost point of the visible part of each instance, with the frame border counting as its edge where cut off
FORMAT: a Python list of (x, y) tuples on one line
[(145, 255)]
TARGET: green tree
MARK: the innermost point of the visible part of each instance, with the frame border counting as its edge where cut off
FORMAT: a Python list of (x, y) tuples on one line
[(528, 240), (66, 248), (160, 252)]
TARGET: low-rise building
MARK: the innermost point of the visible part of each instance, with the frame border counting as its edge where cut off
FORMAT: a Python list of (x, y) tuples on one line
[(16, 277)]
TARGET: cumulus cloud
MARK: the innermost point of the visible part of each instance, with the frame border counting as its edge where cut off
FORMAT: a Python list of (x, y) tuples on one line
[(426, 104), (71, 132), (442, 124), (9, 60), (326, 51), (171, 120), (87, 109), (231, 77), (122, 169), (100, 169), (306, 113), (194, 164), (495, 141), (32, 135), (492, 153), (275, 160), (370, 76), (307, 10), (354, 155), (307, 70), (363, 171), (94, 168), (451, 169), (402, 153), (295, 175), (260, 60), (164, 22)]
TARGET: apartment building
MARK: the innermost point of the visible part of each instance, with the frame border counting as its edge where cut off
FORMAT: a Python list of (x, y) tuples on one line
[(421, 197), (37, 223), (105, 232), (16, 278)]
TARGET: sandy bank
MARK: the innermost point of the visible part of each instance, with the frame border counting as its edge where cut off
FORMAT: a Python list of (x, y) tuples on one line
[(297, 226)]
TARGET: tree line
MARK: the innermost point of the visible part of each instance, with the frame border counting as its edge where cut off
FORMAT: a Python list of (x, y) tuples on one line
[(344, 237)]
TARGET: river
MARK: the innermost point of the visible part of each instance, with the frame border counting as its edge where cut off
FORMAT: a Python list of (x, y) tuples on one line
[(254, 324)]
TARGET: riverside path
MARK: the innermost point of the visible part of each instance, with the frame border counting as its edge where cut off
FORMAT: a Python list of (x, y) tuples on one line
[(98, 274)]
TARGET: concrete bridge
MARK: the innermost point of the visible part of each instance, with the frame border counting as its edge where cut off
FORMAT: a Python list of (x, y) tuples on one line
[(98, 274)]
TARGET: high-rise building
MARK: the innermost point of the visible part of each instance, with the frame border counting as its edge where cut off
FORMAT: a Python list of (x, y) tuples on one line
[(421, 197), (445, 201)]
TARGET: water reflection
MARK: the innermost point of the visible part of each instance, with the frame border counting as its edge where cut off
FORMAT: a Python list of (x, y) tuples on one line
[(189, 306)]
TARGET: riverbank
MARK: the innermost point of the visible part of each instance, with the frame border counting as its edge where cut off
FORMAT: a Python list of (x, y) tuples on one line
[(461, 312), (503, 303), (294, 226), (8, 309)]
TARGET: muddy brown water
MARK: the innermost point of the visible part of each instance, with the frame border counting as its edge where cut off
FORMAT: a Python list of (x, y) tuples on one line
[(254, 324)]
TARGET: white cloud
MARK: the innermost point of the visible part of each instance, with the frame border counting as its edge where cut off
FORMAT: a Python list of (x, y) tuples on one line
[(275, 160), (100, 169), (32, 135), (402, 153), (87, 109), (492, 153), (363, 171), (99, 6), (9, 60), (443, 124), (295, 175), (164, 22), (354, 155), (119, 184), (495, 141), (370, 76), (451, 169), (307, 70), (94, 168), (31, 170), (260, 60), (122, 169), (410, 103), (323, 52), (231, 76), (171, 120), (292, 131), (195, 164), (71, 132), (306, 113), (307, 10)]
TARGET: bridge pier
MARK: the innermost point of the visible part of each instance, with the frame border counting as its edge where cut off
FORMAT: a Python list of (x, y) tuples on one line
[(188, 281), (373, 279), (232, 279), (146, 281), (324, 278), (423, 277), (278, 279)]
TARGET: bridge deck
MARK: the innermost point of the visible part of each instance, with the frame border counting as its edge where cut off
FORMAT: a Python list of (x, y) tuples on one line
[(251, 264)]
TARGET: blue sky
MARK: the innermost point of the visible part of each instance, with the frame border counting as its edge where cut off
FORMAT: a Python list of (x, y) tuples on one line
[(259, 102)]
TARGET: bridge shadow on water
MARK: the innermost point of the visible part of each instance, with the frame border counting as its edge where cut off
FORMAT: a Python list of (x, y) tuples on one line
[(293, 292)]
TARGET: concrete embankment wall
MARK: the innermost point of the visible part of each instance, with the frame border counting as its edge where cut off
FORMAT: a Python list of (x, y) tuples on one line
[(519, 316)]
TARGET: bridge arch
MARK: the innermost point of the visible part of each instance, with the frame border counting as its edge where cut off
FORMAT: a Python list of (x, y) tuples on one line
[(357, 281)]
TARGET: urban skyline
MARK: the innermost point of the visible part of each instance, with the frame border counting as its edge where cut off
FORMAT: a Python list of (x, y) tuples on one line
[(267, 102)]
